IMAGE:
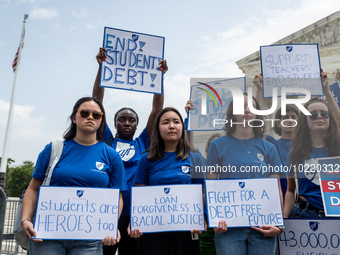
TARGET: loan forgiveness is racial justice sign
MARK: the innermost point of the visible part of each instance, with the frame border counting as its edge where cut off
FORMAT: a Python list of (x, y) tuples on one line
[(291, 66), (244, 202), (167, 208), (76, 213), (132, 61), (210, 99)]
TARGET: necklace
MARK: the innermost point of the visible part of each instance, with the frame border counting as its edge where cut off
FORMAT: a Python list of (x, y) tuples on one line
[(249, 150)]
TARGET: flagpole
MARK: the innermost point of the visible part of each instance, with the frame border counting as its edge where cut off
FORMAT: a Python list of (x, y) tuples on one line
[(10, 113)]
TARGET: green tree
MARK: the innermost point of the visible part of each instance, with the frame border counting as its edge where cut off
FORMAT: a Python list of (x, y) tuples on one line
[(18, 178)]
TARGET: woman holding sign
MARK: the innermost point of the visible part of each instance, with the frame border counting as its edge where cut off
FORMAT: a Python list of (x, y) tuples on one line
[(243, 147), (316, 136), (168, 162), (130, 150), (85, 162)]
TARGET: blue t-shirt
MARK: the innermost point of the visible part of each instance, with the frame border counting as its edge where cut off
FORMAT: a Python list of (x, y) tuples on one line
[(130, 151), (309, 181), (97, 165), (231, 159), (169, 169), (283, 148)]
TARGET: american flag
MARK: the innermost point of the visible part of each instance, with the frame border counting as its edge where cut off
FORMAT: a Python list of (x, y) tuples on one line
[(15, 61), (14, 64)]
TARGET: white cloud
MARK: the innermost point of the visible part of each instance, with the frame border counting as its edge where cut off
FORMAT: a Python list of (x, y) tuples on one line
[(80, 13), (44, 13), (220, 51), (90, 26)]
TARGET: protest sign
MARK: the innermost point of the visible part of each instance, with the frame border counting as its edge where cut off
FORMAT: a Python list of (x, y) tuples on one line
[(244, 202), (167, 208), (335, 90), (76, 213), (310, 236), (132, 61), (291, 66), (330, 185), (210, 99)]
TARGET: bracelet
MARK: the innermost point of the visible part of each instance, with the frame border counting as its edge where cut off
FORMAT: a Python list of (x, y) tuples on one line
[(24, 220), (282, 229)]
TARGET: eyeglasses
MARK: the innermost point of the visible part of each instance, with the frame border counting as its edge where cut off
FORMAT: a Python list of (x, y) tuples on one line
[(314, 115), (86, 113)]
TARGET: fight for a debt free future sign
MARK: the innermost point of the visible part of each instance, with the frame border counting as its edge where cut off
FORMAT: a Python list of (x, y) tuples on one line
[(76, 213), (132, 61)]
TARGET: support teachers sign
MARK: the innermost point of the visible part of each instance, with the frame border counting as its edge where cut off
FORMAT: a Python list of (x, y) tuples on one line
[(132, 61), (76, 213)]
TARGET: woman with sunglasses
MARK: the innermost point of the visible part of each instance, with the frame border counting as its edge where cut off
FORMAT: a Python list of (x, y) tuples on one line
[(83, 149), (316, 136), (168, 161), (130, 150)]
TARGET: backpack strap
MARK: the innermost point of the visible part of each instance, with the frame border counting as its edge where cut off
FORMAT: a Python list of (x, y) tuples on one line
[(57, 149)]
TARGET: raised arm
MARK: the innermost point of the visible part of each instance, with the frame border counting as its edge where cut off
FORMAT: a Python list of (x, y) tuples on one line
[(333, 106), (258, 79), (157, 103), (98, 92)]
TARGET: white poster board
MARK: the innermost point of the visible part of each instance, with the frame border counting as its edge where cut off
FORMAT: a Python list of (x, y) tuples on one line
[(310, 236), (167, 208), (244, 202), (210, 99), (76, 213), (132, 61), (291, 66)]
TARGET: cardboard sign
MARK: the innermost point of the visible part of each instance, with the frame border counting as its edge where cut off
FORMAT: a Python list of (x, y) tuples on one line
[(76, 213), (335, 90), (244, 202), (330, 185), (132, 61), (210, 100), (291, 66), (167, 208), (310, 236)]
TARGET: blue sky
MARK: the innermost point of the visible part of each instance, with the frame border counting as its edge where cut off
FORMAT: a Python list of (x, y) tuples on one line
[(58, 66)]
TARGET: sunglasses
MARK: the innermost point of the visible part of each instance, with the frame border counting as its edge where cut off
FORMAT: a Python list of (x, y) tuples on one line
[(314, 115), (86, 113)]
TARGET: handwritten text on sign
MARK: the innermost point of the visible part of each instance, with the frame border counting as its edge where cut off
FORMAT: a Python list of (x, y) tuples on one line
[(167, 208), (244, 202), (132, 61), (291, 66), (76, 213), (210, 101), (330, 185), (310, 236)]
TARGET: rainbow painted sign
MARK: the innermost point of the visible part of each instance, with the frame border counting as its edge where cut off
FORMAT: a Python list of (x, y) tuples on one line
[(210, 99)]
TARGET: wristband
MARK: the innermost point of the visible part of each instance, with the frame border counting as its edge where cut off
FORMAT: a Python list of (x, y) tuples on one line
[(282, 229), (24, 220)]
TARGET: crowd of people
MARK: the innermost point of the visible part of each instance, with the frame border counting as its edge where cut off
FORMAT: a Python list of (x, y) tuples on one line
[(157, 157)]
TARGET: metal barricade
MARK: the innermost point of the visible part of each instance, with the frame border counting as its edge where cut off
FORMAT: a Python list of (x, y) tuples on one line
[(8, 244)]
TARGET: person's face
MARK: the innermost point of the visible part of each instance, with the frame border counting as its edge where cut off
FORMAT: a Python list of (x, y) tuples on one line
[(170, 127), (88, 117), (126, 124), (289, 122), (248, 115), (320, 123)]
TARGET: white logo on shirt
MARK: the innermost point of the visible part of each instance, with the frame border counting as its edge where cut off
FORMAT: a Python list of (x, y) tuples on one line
[(185, 169), (99, 165), (125, 150), (260, 156), (311, 172)]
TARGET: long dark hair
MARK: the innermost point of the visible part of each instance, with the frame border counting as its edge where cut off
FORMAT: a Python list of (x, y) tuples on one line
[(157, 147), (230, 129), (302, 144), (71, 132)]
